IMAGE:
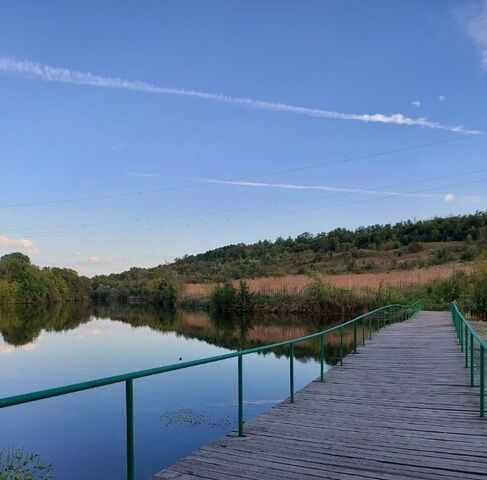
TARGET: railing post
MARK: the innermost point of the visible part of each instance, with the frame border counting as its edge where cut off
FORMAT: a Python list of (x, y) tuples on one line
[(341, 346), (466, 346), (458, 326), (472, 361), (291, 372), (482, 380), (370, 328), (322, 356), (129, 412), (460, 329), (240, 397), (355, 337), (363, 331)]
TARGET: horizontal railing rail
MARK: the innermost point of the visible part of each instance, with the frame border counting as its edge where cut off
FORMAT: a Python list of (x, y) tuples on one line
[(369, 322), (467, 338)]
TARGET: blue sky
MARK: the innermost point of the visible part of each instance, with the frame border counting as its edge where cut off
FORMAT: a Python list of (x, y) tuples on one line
[(135, 132)]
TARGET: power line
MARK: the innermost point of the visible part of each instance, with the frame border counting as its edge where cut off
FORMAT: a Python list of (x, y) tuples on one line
[(357, 157), (354, 202), (248, 177), (232, 210)]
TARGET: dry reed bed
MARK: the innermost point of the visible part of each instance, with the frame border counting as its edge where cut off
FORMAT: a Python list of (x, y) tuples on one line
[(294, 284)]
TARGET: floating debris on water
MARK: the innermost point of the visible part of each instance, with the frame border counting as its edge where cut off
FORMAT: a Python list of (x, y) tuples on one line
[(192, 418)]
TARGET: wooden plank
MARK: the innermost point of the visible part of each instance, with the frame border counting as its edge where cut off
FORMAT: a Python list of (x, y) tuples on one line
[(400, 408)]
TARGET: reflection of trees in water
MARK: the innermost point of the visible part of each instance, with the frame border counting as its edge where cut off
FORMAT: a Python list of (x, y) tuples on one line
[(23, 324)]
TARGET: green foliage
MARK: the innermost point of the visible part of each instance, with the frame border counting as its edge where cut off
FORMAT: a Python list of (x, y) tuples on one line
[(453, 288), (373, 248), (339, 248), (469, 290), (223, 299), (226, 299), (16, 464), (479, 288), (415, 247), (442, 255), (165, 289), (244, 297), (161, 285), (8, 291), (22, 282), (321, 298)]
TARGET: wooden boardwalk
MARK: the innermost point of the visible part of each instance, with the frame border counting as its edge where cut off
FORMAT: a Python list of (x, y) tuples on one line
[(400, 408)]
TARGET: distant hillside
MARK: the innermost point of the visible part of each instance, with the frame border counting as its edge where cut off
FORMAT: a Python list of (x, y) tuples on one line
[(404, 245)]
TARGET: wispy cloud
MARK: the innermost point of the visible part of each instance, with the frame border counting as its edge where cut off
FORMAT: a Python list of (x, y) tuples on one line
[(416, 103), (441, 98), (54, 74), (474, 18), (447, 197), (21, 244)]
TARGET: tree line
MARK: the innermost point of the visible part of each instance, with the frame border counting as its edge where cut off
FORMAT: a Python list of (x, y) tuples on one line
[(23, 282), (450, 238)]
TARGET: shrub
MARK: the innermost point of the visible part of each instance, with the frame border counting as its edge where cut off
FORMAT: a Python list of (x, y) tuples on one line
[(415, 247), (226, 299), (442, 255), (244, 297), (453, 288), (468, 255), (479, 287), (319, 297), (165, 289), (223, 299)]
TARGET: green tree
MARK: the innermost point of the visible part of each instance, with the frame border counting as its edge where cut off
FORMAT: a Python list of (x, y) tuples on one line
[(8, 292), (165, 289), (23, 282)]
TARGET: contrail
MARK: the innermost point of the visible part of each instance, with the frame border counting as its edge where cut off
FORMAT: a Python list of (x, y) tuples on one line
[(64, 75), (448, 197)]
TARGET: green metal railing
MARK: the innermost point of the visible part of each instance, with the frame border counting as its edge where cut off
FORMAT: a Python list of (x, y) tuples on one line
[(467, 338), (368, 322)]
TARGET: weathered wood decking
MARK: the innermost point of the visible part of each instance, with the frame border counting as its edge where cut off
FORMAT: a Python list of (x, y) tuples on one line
[(401, 408)]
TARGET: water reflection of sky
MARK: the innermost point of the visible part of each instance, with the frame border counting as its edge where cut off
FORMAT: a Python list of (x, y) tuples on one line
[(83, 434)]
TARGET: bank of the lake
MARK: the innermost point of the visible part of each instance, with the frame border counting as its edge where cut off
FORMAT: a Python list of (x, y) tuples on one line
[(83, 435)]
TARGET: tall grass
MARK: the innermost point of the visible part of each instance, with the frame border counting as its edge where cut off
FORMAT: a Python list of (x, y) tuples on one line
[(318, 295), (295, 284)]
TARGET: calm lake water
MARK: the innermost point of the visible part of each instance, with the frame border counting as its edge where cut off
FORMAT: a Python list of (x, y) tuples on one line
[(83, 434)]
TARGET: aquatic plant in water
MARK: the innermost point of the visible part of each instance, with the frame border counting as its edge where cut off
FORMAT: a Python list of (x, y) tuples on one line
[(17, 464)]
